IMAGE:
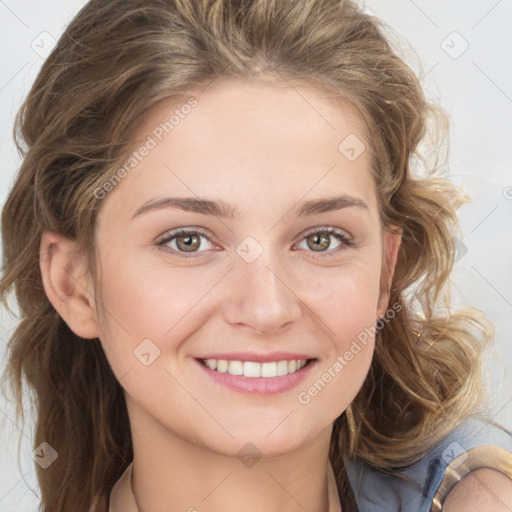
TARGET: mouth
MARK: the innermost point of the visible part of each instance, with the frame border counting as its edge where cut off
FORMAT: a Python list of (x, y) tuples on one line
[(255, 369), (255, 377)]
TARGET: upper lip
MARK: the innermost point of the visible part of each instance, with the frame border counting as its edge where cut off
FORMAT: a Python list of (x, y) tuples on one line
[(258, 358)]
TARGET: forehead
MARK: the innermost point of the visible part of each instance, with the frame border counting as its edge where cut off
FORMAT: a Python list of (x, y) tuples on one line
[(240, 138), (242, 108)]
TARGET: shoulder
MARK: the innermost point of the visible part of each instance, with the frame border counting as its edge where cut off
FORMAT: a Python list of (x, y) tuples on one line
[(475, 454), (485, 490), (479, 477)]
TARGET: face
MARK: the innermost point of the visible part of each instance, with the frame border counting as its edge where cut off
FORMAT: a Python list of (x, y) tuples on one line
[(264, 278)]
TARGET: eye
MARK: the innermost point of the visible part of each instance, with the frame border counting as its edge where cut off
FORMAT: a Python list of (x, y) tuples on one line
[(188, 243), (185, 242), (320, 240)]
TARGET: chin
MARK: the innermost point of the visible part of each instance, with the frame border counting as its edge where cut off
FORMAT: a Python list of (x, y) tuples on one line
[(259, 442)]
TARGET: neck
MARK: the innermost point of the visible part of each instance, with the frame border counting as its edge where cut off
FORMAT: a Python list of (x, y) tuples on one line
[(169, 469)]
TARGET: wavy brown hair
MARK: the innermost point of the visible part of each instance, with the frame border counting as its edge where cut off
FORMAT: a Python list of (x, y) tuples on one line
[(115, 61)]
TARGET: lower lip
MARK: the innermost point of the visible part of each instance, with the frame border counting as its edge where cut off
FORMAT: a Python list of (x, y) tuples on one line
[(263, 385)]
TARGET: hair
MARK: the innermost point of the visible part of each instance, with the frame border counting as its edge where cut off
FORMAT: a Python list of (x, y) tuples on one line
[(117, 59)]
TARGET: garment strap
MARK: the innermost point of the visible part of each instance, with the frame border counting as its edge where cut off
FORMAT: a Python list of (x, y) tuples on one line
[(472, 445)]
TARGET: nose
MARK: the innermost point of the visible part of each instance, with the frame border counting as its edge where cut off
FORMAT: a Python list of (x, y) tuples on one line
[(262, 299)]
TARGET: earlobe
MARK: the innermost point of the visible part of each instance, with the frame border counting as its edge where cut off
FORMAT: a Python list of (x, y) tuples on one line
[(63, 272), (392, 238)]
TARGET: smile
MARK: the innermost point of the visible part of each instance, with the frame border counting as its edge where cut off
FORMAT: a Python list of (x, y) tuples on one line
[(255, 369), (255, 377)]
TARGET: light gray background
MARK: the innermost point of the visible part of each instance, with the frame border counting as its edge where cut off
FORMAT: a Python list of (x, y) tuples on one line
[(475, 88)]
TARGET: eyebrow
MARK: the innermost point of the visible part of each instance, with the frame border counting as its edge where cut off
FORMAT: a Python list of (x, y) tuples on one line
[(225, 210)]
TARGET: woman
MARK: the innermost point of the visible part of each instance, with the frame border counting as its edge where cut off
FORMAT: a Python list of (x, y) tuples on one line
[(228, 271)]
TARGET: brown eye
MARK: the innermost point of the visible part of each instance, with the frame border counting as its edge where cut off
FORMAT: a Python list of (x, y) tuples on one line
[(327, 241), (319, 241), (188, 243)]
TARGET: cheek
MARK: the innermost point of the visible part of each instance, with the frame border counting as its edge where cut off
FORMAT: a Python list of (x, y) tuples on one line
[(147, 298), (346, 304), (345, 298), (141, 300)]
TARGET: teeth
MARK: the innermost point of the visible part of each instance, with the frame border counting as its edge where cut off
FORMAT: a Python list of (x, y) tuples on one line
[(254, 369), (236, 368), (282, 368), (268, 369), (212, 364), (221, 365)]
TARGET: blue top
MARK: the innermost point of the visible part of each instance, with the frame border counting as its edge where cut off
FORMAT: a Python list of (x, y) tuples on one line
[(376, 491)]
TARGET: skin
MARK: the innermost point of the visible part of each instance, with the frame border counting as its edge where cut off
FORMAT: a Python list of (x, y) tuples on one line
[(263, 148), (482, 490)]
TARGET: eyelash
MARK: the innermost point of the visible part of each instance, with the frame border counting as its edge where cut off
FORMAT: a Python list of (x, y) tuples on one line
[(345, 239)]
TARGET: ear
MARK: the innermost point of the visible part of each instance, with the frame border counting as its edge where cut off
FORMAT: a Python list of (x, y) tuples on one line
[(392, 238), (65, 282)]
